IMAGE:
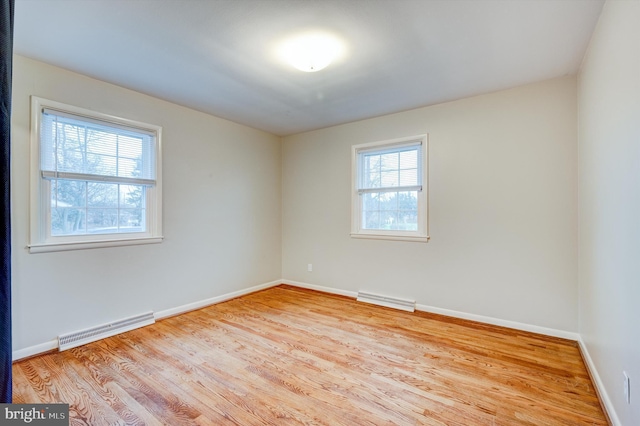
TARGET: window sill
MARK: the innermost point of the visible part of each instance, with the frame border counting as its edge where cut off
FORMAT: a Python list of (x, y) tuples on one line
[(417, 239), (83, 245)]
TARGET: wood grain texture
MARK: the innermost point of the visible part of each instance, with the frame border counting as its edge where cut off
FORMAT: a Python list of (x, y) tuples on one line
[(289, 356)]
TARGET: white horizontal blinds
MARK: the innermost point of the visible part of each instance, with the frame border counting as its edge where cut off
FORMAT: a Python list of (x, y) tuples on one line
[(79, 148), (391, 169)]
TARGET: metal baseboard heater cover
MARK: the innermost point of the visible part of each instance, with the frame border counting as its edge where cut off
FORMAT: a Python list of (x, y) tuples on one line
[(389, 302), (78, 338)]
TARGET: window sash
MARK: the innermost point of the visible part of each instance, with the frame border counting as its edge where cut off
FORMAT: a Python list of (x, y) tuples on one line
[(108, 203)]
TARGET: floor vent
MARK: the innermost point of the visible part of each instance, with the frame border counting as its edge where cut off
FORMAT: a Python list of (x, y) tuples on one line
[(389, 302), (71, 340)]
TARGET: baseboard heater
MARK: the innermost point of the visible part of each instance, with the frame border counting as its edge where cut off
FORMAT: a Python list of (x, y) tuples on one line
[(77, 338), (389, 302)]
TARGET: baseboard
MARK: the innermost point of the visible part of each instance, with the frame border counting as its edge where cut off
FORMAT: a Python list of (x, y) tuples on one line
[(34, 350), (53, 344), (569, 335), (212, 301), (608, 407), (329, 290)]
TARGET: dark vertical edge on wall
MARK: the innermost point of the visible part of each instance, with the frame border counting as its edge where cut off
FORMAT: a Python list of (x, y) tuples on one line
[(6, 68)]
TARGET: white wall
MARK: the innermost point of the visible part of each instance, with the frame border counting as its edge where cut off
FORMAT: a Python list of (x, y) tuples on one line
[(609, 182), (503, 208), (222, 200)]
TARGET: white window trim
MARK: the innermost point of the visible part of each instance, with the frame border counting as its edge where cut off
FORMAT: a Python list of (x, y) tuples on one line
[(422, 234), (40, 206)]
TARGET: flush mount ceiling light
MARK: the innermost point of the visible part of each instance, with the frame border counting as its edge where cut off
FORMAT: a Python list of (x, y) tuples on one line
[(311, 52)]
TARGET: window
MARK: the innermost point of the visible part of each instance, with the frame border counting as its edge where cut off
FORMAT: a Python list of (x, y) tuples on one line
[(389, 190), (95, 179)]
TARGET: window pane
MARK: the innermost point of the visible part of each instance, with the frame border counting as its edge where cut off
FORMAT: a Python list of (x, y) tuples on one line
[(390, 210), (69, 193), (388, 201), (102, 221), (101, 165), (130, 147), (132, 196), (389, 179), (69, 158), (389, 161), (371, 173), (54, 193), (408, 211), (372, 179), (102, 143), (131, 220), (128, 167), (408, 200), (387, 219), (371, 220), (408, 177), (372, 162), (102, 194), (409, 159), (371, 201), (67, 221)]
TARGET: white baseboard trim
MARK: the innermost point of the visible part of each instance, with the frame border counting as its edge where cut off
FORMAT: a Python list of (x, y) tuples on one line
[(53, 344), (599, 384), (500, 322), (330, 290), (35, 350), (212, 301)]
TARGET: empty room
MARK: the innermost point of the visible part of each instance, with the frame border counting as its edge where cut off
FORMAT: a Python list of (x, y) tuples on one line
[(322, 212)]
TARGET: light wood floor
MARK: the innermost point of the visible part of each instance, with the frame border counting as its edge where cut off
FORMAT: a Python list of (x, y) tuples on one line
[(287, 356)]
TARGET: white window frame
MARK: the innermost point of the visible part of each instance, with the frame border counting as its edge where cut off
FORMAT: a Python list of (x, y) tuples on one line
[(40, 239), (422, 233)]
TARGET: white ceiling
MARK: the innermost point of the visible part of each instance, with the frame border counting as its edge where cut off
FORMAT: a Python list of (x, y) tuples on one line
[(217, 56)]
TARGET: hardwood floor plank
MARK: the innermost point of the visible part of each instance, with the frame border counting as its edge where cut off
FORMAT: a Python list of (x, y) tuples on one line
[(23, 390), (293, 356)]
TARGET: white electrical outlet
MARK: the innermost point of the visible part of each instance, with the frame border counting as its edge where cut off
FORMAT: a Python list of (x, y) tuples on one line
[(309, 267), (627, 388)]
